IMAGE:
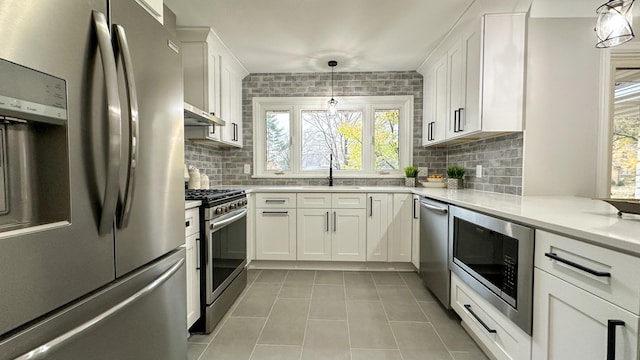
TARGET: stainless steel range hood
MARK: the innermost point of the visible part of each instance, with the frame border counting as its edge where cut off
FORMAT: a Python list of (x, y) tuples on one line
[(196, 117)]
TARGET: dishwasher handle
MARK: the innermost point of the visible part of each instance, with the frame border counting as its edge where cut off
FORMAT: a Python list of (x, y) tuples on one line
[(434, 208)]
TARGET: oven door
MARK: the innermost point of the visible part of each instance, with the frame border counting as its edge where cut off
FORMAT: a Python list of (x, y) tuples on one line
[(226, 252)]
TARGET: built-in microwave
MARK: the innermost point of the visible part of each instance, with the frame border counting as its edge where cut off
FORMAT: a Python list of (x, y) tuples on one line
[(495, 258)]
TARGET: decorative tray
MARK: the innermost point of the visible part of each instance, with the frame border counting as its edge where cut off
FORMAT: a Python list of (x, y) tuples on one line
[(629, 206)]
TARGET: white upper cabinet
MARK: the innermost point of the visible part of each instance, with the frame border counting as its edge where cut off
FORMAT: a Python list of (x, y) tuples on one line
[(153, 7), (474, 82), (213, 83)]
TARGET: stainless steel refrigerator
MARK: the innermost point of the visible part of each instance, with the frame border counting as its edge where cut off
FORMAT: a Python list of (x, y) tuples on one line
[(91, 183)]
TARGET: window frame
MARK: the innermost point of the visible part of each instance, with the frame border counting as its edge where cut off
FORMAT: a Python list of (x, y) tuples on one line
[(611, 59), (368, 105)]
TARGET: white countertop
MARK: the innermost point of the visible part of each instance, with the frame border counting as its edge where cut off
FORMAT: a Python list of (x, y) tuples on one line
[(593, 221), (190, 204), (586, 219)]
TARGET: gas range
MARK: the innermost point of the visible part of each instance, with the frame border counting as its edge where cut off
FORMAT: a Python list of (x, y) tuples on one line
[(218, 202)]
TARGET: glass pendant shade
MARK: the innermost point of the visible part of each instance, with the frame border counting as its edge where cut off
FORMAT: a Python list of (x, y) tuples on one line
[(332, 111), (614, 23)]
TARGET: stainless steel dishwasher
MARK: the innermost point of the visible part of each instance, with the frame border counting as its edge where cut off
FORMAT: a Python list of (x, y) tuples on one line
[(434, 248)]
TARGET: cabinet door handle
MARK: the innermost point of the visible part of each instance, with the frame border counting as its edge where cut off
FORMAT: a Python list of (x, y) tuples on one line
[(335, 226), (431, 131), (274, 201), (460, 128), (275, 213), (484, 325), (415, 212), (370, 206), (557, 258), (235, 132), (198, 254), (611, 338), (455, 121), (187, 223), (327, 221)]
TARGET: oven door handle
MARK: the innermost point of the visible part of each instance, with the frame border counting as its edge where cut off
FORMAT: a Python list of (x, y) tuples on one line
[(225, 222)]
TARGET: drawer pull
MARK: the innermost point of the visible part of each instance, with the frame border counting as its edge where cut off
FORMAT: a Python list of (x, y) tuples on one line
[(489, 330), (555, 257), (275, 213), (611, 338), (187, 223), (274, 201)]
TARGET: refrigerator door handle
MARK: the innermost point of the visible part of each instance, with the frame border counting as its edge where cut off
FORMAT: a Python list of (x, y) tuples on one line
[(134, 125), (44, 350), (114, 123)]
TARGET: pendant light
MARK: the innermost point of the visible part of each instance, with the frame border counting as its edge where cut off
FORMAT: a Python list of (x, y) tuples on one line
[(613, 25), (332, 112)]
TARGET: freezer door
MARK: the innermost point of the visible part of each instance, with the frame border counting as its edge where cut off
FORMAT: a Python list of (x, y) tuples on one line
[(43, 269), (142, 316), (156, 195)]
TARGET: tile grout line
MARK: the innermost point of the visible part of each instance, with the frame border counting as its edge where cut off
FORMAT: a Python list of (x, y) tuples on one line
[(306, 324), (346, 313), (268, 315), (430, 322), (236, 303), (395, 339)]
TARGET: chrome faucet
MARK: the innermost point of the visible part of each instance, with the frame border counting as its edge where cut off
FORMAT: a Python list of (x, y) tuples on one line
[(330, 169)]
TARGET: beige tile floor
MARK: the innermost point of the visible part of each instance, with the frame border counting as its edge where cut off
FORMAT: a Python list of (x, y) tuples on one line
[(298, 315)]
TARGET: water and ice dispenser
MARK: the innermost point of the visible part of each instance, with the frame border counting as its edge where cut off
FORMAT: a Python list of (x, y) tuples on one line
[(34, 150)]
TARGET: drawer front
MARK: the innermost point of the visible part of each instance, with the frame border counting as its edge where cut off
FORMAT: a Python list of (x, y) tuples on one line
[(191, 221), (276, 200), (314, 201), (608, 274), (498, 335), (348, 201)]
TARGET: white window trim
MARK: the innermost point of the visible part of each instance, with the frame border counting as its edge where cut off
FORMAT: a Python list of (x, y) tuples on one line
[(368, 104), (610, 59)]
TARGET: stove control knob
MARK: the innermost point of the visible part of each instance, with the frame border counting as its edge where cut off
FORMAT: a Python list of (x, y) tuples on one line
[(232, 206), (225, 209), (218, 211), (243, 202)]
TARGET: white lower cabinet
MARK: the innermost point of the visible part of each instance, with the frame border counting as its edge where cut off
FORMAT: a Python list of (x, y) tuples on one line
[(331, 227), (570, 323), (192, 266), (275, 234), (585, 297), (495, 333), (314, 234), (349, 237), (378, 223), (415, 232), (399, 243)]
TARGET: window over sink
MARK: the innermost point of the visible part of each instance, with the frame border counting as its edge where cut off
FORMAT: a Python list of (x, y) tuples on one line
[(372, 136)]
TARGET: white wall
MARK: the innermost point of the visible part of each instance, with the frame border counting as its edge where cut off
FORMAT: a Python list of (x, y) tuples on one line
[(562, 111)]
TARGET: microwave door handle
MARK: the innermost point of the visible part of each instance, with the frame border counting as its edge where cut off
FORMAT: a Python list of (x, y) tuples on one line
[(43, 351), (134, 125), (114, 120)]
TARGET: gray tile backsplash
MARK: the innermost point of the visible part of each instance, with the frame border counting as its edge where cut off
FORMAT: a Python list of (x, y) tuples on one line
[(501, 160), (501, 157)]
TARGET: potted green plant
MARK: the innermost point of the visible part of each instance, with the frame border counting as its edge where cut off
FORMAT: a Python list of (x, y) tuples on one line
[(411, 172), (455, 177)]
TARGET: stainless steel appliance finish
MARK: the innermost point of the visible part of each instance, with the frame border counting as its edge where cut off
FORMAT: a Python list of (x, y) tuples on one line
[(434, 249), (224, 252), (98, 192), (495, 258), (197, 117)]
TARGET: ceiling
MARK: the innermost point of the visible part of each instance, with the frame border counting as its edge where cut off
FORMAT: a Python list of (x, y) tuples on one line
[(362, 35), (303, 35)]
